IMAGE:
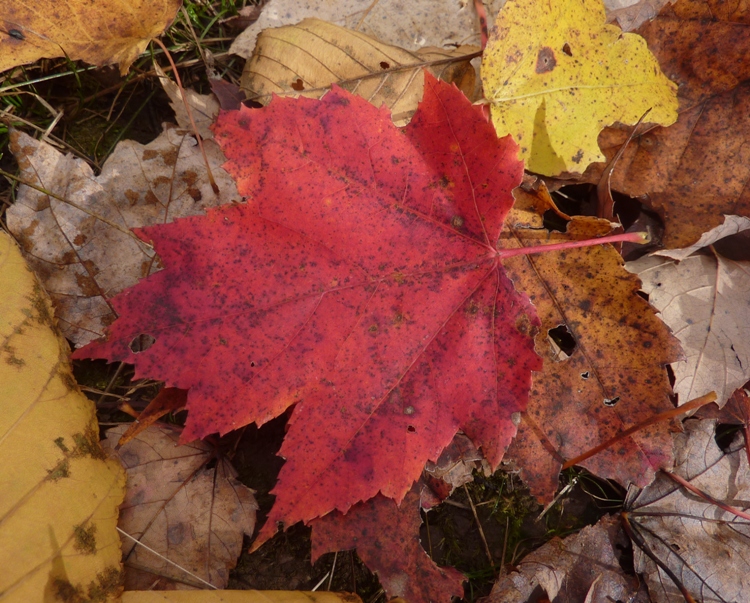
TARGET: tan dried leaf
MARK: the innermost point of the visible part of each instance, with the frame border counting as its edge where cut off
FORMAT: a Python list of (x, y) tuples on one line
[(703, 545), (78, 237), (305, 59), (457, 462), (583, 567), (175, 505), (630, 14), (412, 25), (204, 107), (704, 300)]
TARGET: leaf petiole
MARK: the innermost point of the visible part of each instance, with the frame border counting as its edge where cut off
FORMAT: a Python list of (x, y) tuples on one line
[(630, 237)]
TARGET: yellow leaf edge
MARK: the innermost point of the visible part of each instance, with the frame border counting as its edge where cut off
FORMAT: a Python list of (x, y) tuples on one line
[(60, 493)]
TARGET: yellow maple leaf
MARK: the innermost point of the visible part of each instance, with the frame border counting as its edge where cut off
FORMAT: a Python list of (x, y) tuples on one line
[(555, 75), (58, 492)]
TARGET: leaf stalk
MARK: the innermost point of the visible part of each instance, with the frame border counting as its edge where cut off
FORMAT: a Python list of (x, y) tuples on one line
[(629, 237)]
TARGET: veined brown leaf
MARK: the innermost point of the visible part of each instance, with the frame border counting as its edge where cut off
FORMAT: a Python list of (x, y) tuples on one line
[(307, 58)]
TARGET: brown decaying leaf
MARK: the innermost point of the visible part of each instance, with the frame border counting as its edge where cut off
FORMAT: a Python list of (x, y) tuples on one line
[(614, 377), (455, 466), (631, 14), (411, 25), (193, 516), (582, 567), (704, 300), (101, 33), (82, 246), (732, 225), (698, 169), (703, 545), (204, 107), (305, 59)]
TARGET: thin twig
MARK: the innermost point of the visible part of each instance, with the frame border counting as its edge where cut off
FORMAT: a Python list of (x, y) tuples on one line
[(148, 548), (333, 569), (479, 525), (189, 111)]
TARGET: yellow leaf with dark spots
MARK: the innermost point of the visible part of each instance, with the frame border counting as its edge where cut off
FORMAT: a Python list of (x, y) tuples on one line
[(555, 75), (59, 494)]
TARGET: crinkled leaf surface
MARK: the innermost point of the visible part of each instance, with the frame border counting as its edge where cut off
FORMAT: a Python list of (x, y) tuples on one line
[(361, 282), (612, 379), (307, 58), (705, 301), (703, 545), (556, 75), (77, 238), (101, 33), (584, 567), (411, 25), (630, 14), (58, 493), (696, 170), (190, 514), (386, 536)]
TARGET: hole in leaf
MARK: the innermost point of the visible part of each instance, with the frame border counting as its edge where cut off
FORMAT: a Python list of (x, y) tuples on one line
[(384, 65), (17, 34), (298, 85), (562, 339), (566, 49), (252, 364), (585, 375), (411, 429), (141, 343), (725, 436), (670, 374), (554, 221), (611, 401)]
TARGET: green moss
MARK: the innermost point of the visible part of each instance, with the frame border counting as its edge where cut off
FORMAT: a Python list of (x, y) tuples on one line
[(85, 539)]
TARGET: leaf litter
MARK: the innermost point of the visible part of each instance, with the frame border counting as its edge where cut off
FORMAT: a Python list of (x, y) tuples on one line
[(355, 281), (704, 300), (696, 171), (588, 294), (559, 357), (191, 518), (76, 230), (307, 58), (700, 542)]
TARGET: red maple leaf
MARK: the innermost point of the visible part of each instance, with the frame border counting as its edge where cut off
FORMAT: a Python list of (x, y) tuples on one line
[(360, 282), (386, 537)]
